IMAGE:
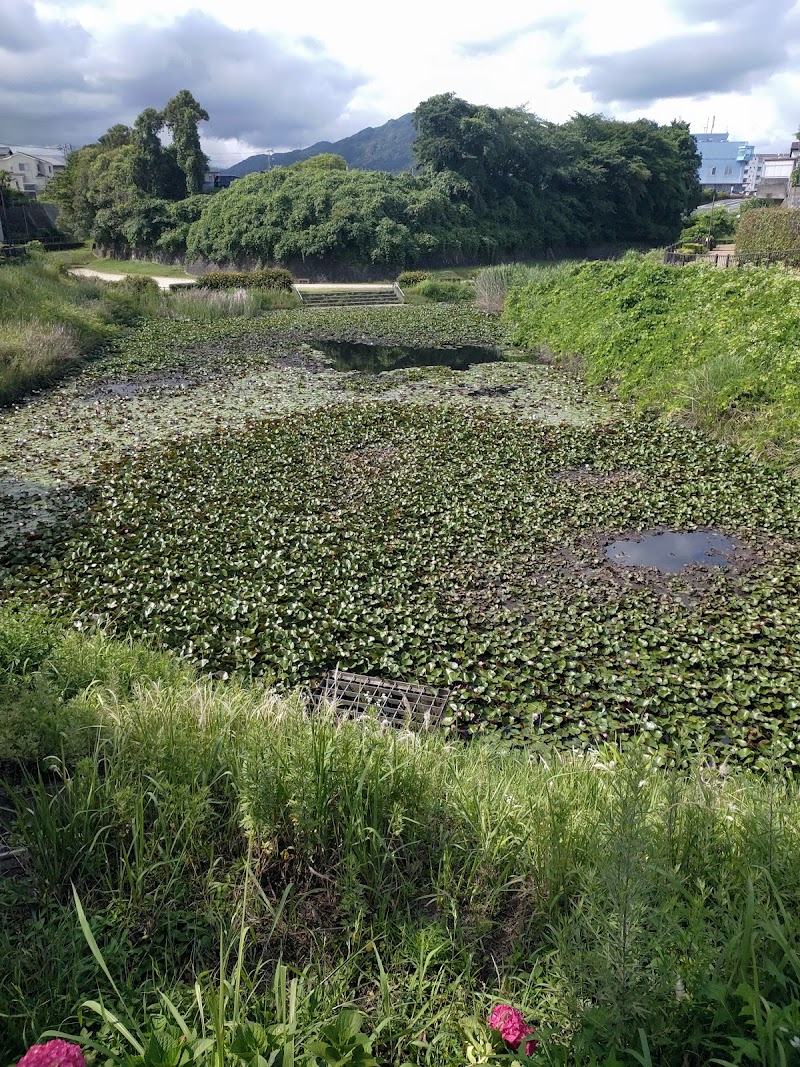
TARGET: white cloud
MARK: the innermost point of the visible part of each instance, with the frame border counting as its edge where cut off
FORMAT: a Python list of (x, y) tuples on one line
[(282, 75)]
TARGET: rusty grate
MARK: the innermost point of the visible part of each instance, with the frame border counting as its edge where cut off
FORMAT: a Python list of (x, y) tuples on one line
[(400, 703)]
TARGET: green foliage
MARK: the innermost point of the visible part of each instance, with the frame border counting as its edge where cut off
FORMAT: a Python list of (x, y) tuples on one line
[(310, 213), (341, 1043), (121, 190), (412, 277), (181, 116), (217, 548), (718, 224), (589, 179), (496, 181), (212, 833), (444, 292), (265, 278), (769, 230), (717, 346)]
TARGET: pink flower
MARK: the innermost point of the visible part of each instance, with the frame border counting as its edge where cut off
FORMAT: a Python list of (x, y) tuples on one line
[(512, 1027), (56, 1053)]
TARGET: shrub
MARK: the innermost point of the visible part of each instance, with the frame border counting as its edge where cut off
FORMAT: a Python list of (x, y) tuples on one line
[(721, 227), (266, 278), (140, 283), (412, 277), (691, 249)]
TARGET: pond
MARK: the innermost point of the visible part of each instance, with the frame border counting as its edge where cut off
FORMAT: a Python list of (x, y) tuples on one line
[(669, 551), (374, 359)]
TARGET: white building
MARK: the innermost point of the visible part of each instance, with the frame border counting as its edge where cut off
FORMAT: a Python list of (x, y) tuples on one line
[(31, 168)]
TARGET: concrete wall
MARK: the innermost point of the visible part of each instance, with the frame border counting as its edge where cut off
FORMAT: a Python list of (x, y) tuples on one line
[(321, 271)]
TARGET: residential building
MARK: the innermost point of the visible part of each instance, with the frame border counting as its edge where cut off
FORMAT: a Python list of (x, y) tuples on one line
[(30, 167), (723, 162), (771, 174), (214, 179)]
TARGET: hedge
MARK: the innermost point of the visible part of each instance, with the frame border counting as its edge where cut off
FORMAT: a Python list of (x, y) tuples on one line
[(268, 278), (767, 229)]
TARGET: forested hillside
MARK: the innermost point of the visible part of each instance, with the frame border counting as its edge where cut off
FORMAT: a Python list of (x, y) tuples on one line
[(386, 147), (491, 183)]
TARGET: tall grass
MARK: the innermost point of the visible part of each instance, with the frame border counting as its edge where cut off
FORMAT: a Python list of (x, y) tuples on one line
[(202, 305), (50, 322), (216, 833), (493, 284)]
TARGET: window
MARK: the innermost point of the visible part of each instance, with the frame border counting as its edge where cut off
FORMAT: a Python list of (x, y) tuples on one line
[(729, 170), (23, 166), (713, 170)]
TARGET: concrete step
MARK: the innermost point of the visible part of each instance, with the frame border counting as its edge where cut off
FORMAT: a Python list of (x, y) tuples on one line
[(350, 298)]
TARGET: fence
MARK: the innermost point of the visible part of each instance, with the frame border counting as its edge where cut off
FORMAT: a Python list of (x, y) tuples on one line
[(790, 256)]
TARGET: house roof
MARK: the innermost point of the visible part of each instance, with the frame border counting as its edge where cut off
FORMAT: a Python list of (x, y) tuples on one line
[(53, 156)]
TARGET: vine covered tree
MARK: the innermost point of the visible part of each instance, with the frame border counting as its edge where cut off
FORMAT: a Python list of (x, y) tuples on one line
[(182, 116), (148, 164)]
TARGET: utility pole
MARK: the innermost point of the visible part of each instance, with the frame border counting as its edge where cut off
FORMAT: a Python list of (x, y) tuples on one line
[(711, 221)]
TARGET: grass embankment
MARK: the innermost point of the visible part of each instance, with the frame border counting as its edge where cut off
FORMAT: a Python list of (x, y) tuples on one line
[(719, 347), (85, 257), (215, 833), (49, 322)]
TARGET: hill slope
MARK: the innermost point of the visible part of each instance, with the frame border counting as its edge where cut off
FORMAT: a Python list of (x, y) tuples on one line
[(386, 147)]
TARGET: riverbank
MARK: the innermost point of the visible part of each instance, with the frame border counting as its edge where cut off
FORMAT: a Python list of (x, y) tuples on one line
[(716, 348)]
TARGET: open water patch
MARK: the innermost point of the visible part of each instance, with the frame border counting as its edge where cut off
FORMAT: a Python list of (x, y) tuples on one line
[(670, 551), (376, 359)]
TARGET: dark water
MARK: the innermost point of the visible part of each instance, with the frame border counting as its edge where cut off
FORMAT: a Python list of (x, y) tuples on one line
[(669, 552), (373, 359)]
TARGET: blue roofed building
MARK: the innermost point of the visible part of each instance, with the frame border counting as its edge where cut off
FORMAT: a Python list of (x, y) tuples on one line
[(724, 163)]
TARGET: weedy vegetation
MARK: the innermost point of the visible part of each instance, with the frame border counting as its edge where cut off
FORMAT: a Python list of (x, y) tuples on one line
[(207, 866), (716, 346), (200, 865), (50, 322)]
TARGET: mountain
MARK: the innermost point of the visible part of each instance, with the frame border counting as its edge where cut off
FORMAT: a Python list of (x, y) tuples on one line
[(386, 147)]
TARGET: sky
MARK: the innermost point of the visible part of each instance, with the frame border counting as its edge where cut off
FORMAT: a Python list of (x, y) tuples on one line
[(278, 75)]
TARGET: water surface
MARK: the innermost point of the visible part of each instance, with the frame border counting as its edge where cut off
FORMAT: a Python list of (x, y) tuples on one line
[(669, 552), (374, 359)]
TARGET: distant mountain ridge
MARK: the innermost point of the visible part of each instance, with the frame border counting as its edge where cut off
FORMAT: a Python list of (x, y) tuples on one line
[(386, 147)]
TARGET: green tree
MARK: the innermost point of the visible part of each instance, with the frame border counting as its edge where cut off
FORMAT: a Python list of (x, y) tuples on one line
[(115, 137), (72, 191), (322, 213), (181, 116), (148, 161)]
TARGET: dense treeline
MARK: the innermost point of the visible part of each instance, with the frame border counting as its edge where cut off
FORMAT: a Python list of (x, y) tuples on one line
[(490, 182), (129, 189)]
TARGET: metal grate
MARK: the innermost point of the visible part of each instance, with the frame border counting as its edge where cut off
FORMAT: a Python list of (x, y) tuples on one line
[(400, 703)]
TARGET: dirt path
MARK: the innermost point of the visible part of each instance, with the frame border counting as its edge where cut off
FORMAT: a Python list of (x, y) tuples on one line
[(160, 280)]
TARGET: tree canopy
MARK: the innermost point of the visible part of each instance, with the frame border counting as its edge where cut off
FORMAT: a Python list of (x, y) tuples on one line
[(491, 182), (129, 169), (613, 180)]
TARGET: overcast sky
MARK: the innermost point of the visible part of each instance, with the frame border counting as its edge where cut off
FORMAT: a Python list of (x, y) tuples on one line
[(283, 75)]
